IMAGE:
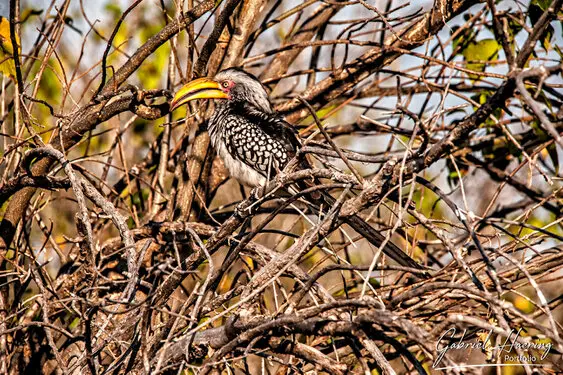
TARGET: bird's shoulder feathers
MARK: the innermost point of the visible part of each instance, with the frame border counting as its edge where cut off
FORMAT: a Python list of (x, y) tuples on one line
[(274, 126)]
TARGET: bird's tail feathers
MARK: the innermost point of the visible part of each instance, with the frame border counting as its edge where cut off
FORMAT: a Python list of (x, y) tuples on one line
[(319, 198), (375, 238)]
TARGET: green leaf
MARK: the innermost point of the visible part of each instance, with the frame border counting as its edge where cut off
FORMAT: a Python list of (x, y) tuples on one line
[(514, 28), (114, 9), (29, 12), (535, 11), (460, 42), (546, 37), (543, 4), (374, 282), (484, 50), (321, 113), (75, 323), (538, 130)]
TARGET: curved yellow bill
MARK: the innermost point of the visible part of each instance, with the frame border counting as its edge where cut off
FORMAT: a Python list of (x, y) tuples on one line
[(201, 88)]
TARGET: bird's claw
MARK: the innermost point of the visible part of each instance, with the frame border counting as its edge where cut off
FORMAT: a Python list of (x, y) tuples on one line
[(255, 193), (245, 207), (241, 208)]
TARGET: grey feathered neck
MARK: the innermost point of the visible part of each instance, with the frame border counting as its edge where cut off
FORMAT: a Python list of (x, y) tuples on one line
[(247, 89)]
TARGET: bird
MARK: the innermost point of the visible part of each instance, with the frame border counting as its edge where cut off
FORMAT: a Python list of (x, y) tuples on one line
[(7, 66), (255, 143)]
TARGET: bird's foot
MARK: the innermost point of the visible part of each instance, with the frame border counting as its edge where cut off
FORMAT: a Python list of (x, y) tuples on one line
[(256, 193), (245, 207), (255, 199)]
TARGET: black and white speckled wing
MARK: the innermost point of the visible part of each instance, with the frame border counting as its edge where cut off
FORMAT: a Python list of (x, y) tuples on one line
[(276, 127), (247, 142), (253, 145)]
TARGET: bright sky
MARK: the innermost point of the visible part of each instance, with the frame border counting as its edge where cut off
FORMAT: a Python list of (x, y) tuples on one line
[(5, 8)]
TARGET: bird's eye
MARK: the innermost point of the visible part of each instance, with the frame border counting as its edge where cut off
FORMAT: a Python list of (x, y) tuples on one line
[(225, 84)]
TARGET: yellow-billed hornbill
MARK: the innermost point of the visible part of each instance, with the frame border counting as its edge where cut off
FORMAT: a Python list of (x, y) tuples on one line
[(254, 142)]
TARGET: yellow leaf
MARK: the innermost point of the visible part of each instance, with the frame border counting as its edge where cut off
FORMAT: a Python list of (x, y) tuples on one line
[(7, 66), (523, 304)]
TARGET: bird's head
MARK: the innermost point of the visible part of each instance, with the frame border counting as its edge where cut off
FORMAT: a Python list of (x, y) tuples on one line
[(232, 85)]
